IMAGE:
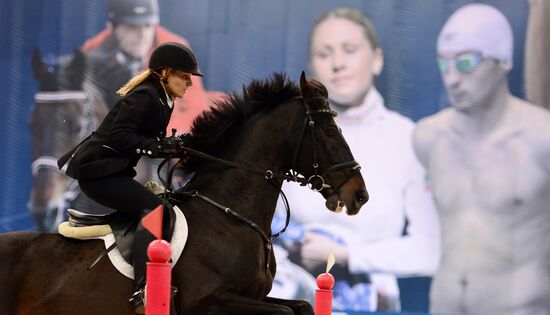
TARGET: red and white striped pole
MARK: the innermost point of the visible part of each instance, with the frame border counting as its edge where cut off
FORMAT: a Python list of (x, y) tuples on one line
[(159, 274)]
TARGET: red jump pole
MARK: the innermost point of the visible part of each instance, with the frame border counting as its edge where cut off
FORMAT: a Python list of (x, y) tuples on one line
[(323, 295), (159, 273)]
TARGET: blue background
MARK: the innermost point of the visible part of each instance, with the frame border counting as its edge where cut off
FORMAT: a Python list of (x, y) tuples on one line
[(235, 41)]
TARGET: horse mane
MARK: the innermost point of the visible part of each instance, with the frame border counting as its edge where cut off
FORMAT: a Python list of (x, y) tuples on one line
[(214, 127)]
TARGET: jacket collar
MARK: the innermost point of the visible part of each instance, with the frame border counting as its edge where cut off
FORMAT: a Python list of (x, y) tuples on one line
[(163, 98)]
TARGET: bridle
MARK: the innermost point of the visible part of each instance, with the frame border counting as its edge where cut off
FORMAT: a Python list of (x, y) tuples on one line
[(291, 175), (317, 182), (50, 162), (46, 161), (271, 176)]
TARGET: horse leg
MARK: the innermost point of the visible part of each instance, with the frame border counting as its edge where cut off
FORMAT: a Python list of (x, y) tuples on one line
[(299, 307), (233, 304)]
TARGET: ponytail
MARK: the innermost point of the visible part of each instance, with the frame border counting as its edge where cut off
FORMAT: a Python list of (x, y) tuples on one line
[(135, 81)]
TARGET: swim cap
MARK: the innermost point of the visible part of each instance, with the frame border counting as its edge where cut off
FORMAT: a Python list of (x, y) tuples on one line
[(478, 27)]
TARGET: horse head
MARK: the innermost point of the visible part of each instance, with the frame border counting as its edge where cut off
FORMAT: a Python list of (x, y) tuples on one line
[(249, 144), (67, 109), (323, 155), (287, 129)]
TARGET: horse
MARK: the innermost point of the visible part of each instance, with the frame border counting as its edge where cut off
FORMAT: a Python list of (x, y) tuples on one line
[(68, 108), (241, 150)]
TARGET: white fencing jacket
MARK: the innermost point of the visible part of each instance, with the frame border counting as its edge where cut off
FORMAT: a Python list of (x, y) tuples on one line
[(381, 141)]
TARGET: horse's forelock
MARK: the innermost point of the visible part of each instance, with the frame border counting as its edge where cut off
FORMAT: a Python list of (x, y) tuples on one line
[(319, 87)]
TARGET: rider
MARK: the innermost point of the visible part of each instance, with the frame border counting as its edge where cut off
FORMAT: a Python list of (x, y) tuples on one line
[(104, 163)]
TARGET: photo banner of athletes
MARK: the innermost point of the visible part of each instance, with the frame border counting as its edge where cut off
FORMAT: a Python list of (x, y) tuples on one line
[(386, 66)]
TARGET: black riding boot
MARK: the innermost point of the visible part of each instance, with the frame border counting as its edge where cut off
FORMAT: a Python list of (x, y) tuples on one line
[(142, 239)]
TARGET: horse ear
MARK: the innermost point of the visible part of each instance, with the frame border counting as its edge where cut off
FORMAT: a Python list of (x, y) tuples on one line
[(39, 69), (312, 88), (305, 88), (76, 70), (79, 59)]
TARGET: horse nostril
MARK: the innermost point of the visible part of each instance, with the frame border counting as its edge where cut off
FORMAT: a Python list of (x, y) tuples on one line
[(361, 197)]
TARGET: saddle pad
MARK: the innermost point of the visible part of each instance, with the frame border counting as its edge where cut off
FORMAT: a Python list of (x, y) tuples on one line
[(179, 238), (83, 232)]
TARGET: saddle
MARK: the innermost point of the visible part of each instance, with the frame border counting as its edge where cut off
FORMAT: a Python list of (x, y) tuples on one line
[(117, 230), (83, 225)]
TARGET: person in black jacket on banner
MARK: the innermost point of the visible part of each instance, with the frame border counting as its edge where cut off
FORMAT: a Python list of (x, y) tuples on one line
[(104, 163)]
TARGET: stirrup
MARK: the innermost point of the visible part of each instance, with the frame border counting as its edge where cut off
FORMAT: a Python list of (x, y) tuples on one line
[(138, 301)]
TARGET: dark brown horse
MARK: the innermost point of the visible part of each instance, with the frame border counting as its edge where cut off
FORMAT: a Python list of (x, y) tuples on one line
[(226, 267)]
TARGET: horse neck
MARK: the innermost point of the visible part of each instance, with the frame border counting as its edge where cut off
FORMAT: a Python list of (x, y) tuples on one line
[(261, 144)]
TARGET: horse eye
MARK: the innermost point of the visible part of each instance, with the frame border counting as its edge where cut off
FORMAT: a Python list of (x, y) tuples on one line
[(331, 131)]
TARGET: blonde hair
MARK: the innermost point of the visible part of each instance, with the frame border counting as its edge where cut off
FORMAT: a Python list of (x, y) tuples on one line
[(135, 81)]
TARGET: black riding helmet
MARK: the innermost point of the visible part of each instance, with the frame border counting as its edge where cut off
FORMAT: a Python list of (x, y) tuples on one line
[(176, 56)]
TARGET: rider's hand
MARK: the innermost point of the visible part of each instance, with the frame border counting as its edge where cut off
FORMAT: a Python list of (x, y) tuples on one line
[(316, 247), (169, 147)]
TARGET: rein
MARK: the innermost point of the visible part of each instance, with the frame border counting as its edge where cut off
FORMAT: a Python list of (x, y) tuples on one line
[(294, 177), (321, 178), (270, 176)]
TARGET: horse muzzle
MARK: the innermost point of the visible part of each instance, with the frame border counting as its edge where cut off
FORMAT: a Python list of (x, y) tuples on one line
[(352, 195)]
